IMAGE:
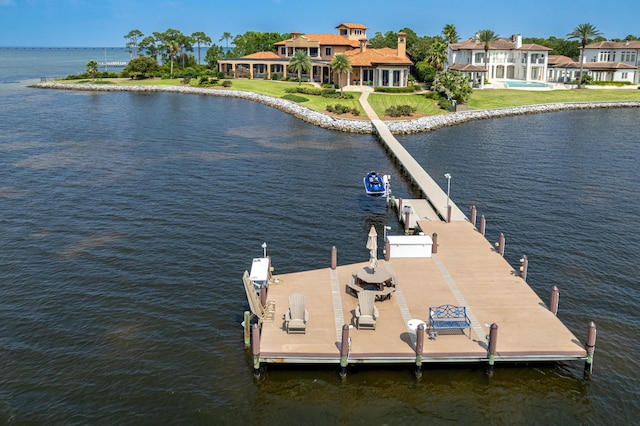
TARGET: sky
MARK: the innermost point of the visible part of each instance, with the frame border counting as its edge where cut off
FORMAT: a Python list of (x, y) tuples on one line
[(103, 23)]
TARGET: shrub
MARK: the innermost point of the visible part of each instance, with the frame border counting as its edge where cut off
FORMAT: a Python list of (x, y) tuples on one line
[(342, 109), (226, 83), (445, 103), (400, 110), (432, 95)]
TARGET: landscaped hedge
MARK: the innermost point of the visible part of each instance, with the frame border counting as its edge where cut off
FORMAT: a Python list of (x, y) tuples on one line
[(408, 89), (316, 91)]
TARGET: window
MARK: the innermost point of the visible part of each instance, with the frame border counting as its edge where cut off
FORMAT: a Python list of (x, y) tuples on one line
[(357, 32), (328, 51), (283, 51), (624, 75), (607, 56), (344, 31), (313, 52)]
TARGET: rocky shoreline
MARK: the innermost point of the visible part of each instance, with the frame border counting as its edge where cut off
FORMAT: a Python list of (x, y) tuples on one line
[(419, 125)]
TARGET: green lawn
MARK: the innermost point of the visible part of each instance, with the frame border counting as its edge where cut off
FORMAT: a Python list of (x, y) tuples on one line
[(501, 98), (381, 101), (480, 99)]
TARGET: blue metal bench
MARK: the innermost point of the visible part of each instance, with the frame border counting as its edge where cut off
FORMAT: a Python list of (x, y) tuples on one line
[(448, 317)]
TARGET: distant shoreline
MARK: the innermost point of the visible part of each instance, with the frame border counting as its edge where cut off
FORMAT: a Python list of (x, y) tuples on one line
[(418, 125)]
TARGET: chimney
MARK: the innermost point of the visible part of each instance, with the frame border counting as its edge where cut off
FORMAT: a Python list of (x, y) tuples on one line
[(363, 45), (402, 45), (518, 41), (295, 35)]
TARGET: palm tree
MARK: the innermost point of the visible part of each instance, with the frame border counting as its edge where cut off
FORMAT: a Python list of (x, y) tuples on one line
[(450, 33), (173, 49), (340, 64), (486, 37), (226, 36), (438, 55), (92, 68), (584, 32), (300, 61)]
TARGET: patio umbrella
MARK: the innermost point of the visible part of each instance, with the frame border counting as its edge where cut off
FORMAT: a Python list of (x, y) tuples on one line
[(372, 245)]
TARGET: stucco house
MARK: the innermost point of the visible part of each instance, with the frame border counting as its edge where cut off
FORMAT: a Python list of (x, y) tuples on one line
[(375, 67), (507, 59), (612, 61)]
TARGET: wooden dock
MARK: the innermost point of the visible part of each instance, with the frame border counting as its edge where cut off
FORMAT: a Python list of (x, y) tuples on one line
[(463, 269)]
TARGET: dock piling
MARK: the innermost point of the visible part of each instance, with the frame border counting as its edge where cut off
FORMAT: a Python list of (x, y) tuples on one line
[(387, 250), (473, 215), (247, 329), (591, 347), (554, 300), (448, 214), (334, 257), (524, 266), (501, 243), (419, 347), (255, 345), (482, 224), (434, 246), (493, 341), (344, 351)]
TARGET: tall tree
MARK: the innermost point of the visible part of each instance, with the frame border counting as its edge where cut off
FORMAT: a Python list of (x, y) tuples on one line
[(214, 53), (133, 36), (438, 55), (173, 48), (486, 37), (226, 36), (450, 34), (200, 38), (583, 32), (340, 64), (299, 62), (92, 68), (148, 44)]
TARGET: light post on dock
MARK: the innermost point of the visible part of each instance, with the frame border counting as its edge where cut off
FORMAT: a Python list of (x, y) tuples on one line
[(264, 249), (448, 176)]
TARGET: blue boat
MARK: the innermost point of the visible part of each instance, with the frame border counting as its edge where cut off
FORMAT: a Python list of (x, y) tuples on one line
[(374, 184)]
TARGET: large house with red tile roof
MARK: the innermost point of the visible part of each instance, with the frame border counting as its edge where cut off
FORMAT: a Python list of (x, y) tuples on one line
[(603, 61), (375, 67), (507, 59)]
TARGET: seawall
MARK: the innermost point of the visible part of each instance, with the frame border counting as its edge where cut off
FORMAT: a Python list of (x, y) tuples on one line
[(419, 125)]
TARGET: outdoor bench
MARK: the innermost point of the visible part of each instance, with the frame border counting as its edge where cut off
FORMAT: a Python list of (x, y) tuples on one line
[(448, 317)]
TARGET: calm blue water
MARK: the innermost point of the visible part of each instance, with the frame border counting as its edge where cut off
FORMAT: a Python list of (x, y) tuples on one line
[(128, 219)]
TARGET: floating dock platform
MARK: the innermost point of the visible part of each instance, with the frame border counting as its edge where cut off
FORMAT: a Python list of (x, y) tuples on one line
[(465, 271)]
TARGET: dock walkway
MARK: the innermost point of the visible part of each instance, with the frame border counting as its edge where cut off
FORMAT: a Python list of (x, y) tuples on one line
[(429, 188)]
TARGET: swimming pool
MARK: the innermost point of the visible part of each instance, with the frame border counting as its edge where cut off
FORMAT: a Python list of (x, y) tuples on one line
[(527, 84)]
